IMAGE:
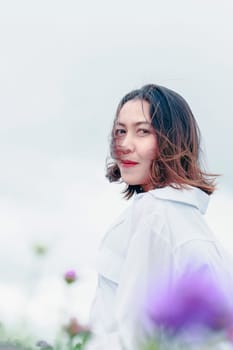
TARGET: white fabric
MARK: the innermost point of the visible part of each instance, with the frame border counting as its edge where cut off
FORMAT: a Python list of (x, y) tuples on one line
[(162, 234)]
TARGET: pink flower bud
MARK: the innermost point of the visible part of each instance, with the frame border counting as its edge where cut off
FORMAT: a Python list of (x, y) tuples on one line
[(70, 276)]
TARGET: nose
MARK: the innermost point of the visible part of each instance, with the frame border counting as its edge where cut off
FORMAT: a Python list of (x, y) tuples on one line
[(127, 145)]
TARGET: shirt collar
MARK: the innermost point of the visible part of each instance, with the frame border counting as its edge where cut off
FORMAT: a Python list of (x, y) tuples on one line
[(190, 196)]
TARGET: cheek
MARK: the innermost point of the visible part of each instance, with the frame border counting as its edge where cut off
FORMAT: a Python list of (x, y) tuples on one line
[(116, 149), (151, 151)]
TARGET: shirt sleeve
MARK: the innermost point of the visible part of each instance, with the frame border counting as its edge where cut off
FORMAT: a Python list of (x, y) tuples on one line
[(149, 260), (149, 257)]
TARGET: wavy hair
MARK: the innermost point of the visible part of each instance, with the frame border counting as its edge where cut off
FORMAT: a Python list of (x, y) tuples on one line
[(178, 139)]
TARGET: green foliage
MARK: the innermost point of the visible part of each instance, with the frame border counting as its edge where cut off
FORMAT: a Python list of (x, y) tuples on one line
[(40, 249), (151, 345), (15, 339)]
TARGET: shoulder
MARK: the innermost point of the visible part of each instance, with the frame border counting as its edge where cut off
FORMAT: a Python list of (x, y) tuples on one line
[(179, 210), (177, 197), (171, 203)]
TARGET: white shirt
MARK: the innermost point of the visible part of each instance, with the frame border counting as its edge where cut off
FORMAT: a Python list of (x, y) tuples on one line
[(162, 233)]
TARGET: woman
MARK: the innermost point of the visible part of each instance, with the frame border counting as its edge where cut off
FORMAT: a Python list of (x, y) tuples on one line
[(155, 149)]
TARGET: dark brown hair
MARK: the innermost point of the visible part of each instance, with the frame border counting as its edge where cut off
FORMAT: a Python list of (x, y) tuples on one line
[(178, 138)]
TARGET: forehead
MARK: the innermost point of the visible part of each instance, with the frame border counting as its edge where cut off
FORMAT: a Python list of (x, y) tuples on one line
[(134, 111)]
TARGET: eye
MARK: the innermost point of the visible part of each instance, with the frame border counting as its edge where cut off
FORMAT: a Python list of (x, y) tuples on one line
[(119, 132), (143, 131)]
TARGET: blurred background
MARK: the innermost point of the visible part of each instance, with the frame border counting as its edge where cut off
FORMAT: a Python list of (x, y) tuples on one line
[(64, 65)]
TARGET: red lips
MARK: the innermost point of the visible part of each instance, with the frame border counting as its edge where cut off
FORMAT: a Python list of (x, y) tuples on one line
[(128, 163)]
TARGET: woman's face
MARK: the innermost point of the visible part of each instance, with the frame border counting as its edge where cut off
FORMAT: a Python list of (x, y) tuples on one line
[(136, 143)]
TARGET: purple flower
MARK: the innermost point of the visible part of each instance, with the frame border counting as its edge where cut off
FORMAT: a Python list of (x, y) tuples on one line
[(194, 301), (70, 276)]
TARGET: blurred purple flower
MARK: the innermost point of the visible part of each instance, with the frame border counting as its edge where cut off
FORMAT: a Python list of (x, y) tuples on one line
[(70, 276), (195, 301)]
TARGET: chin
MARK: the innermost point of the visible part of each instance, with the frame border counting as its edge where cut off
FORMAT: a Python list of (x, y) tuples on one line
[(131, 183)]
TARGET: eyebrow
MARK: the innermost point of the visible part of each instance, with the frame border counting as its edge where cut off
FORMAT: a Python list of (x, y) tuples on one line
[(136, 124)]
